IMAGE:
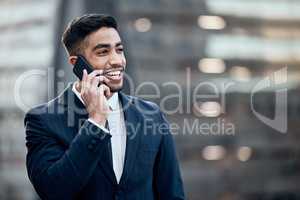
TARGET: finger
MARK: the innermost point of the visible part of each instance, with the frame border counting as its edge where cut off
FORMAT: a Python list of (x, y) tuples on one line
[(95, 93), (96, 73), (83, 81), (92, 75), (84, 77), (105, 80), (94, 83), (97, 81), (102, 79), (106, 90), (88, 79)]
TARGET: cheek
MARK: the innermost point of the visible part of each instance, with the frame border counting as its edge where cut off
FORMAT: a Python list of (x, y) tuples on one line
[(100, 62), (124, 61), (96, 61)]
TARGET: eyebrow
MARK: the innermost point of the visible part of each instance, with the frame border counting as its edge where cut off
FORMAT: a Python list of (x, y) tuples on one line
[(99, 46)]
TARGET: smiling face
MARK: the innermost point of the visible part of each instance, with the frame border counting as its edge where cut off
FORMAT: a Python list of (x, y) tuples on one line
[(104, 50)]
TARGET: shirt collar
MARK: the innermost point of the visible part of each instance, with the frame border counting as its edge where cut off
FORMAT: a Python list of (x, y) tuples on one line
[(113, 101)]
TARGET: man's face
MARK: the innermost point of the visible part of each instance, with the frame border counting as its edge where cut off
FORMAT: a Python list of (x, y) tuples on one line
[(104, 50)]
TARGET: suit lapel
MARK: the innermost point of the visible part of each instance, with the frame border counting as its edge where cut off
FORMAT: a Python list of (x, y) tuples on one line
[(105, 164), (133, 123)]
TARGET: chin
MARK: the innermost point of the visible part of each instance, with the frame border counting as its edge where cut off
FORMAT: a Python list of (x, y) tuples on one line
[(115, 88)]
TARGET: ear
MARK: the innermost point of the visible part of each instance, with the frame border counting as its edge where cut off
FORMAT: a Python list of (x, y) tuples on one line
[(72, 60)]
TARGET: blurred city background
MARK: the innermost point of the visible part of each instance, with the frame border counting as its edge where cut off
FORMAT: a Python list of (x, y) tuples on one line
[(228, 45)]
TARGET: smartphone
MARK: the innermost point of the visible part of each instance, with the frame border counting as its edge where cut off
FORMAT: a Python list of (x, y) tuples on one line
[(80, 65)]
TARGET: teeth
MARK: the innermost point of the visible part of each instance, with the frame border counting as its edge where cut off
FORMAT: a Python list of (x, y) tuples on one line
[(116, 73)]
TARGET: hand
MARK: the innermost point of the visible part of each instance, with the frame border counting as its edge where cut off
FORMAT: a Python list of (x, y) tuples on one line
[(94, 97)]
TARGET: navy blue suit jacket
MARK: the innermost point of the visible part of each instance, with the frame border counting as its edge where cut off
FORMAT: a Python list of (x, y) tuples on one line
[(68, 156)]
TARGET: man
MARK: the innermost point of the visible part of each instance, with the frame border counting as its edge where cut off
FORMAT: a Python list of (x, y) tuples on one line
[(93, 141)]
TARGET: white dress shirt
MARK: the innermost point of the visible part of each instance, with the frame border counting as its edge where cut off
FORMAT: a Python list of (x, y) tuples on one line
[(117, 130)]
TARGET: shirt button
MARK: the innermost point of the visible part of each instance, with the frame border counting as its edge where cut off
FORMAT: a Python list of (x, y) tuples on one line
[(93, 141), (90, 146)]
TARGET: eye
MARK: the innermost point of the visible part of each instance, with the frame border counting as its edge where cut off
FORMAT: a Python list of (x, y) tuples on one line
[(120, 49), (102, 52)]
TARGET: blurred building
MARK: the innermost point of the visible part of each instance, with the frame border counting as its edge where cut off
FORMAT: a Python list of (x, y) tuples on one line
[(26, 51), (223, 49), (217, 50)]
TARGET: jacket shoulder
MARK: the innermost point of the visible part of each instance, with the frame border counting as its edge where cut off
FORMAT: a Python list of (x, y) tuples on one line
[(42, 110), (144, 105)]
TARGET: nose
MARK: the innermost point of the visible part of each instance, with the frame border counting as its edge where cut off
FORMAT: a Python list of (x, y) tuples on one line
[(115, 59)]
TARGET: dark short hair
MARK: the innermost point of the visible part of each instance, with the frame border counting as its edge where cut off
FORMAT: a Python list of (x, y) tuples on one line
[(79, 28)]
